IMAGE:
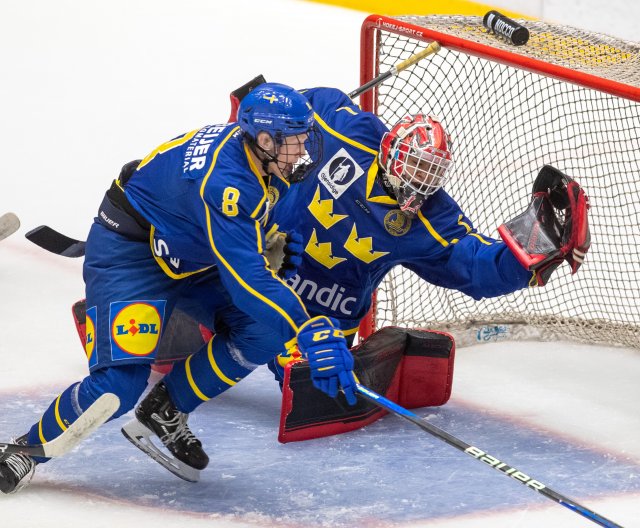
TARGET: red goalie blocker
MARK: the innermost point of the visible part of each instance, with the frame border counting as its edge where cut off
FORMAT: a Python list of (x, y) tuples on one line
[(413, 368)]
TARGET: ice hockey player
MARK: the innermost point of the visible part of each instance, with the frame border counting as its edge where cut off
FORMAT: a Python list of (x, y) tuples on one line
[(187, 230), (376, 201)]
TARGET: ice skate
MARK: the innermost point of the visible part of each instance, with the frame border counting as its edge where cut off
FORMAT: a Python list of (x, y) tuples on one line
[(16, 470), (157, 416)]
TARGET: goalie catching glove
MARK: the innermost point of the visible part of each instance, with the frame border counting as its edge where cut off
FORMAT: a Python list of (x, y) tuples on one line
[(323, 344), (552, 229)]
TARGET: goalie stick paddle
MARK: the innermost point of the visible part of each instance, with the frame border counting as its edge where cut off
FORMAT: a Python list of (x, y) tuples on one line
[(483, 456), (55, 242), (97, 414), (9, 224)]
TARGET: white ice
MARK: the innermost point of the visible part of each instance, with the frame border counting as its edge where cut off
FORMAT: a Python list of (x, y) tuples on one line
[(87, 86)]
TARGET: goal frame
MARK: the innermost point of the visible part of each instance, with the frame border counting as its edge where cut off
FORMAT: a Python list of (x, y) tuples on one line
[(369, 69)]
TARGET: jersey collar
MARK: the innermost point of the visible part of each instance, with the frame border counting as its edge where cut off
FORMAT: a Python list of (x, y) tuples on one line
[(375, 192)]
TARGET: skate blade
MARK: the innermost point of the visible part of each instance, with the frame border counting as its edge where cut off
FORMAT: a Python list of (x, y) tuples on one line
[(140, 436)]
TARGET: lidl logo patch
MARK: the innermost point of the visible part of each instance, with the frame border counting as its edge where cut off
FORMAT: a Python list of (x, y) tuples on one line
[(135, 328), (90, 340)]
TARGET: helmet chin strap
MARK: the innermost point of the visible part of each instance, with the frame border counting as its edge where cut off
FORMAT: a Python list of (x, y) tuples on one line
[(263, 155)]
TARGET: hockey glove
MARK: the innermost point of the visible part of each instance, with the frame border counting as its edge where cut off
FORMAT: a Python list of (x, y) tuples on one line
[(284, 252), (552, 229), (293, 250), (323, 344)]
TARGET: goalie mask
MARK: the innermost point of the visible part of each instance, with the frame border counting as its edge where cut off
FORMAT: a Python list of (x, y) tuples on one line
[(295, 144), (416, 159)]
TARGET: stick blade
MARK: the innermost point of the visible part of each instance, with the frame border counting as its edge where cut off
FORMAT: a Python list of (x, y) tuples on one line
[(55, 242), (9, 224), (97, 414)]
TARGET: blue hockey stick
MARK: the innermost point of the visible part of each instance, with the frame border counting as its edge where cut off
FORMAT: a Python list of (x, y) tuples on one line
[(483, 456)]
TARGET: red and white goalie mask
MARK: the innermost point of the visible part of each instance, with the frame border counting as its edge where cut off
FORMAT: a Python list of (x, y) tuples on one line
[(416, 159)]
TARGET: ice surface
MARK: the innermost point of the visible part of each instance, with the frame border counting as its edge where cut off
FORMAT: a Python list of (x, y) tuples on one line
[(89, 86)]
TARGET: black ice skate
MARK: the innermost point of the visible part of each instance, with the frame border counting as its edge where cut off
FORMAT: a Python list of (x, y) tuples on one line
[(157, 415), (16, 470)]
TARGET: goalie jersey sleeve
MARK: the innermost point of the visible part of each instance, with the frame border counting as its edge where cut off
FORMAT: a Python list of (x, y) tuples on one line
[(208, 205), (468, 261)]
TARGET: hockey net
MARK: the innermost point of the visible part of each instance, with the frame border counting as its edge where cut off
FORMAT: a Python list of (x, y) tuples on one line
[(568, 98)]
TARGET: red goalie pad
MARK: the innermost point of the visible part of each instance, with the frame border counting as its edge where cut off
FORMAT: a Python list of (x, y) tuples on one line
[(411, 367)]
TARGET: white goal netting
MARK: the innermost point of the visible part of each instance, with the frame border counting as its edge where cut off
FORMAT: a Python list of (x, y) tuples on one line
[(506, 123)]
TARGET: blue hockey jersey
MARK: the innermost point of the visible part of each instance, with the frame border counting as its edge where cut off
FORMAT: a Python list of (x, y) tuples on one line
[(355, 232), (208, 205)]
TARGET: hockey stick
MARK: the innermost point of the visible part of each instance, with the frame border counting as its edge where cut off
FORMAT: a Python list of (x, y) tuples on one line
[(9, 224), (97, 414), (432, 48), (56, 242), (483, 456)]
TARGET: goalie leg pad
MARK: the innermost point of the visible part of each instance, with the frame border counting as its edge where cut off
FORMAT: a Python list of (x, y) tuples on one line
[(427, 369), (412, 367)]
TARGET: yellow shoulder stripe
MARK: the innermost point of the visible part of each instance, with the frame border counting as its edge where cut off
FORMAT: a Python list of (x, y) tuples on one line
[(214, 158), (258, 176), (347, 109), (431, 230), (344, 138), (168, 146), (371, 180)]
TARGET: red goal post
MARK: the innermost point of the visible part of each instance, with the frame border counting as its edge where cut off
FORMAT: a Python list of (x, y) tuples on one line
[(569, 98)]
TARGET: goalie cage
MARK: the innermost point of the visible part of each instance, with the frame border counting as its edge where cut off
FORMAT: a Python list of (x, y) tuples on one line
[(569, 98)]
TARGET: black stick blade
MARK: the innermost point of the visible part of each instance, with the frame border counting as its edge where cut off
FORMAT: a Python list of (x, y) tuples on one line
[(55, 242)]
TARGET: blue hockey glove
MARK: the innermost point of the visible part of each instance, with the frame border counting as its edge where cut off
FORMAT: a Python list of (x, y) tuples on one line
[(323, 344), (293, 250), (284, 252)]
